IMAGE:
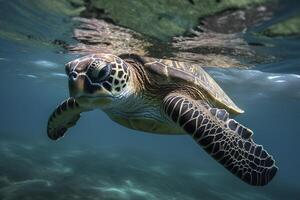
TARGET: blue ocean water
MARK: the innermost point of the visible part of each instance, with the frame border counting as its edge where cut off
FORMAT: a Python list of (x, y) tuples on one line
[(99, 159)]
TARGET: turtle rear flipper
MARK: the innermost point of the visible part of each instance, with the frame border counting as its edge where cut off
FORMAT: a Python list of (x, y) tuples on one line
[(64, 116), (224, 139)]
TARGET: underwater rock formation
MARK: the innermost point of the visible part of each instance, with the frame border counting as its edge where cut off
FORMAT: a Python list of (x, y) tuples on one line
[(97, 35), (215, 42), (210, 33), (165, 18)]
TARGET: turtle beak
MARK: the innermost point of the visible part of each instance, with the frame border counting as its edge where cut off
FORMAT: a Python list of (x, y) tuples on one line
[(76, 84), (86, 93), (81, 86)]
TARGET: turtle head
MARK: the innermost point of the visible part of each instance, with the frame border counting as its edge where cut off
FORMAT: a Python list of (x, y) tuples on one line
[(98, 79)]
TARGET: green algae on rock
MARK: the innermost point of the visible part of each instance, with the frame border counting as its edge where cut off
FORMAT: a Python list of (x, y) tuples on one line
[(218, 45), (207, 49), (162, 19), (288, 27), (203, 32)]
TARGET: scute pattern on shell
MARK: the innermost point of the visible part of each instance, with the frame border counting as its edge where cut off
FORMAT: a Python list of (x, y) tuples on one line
[(199, 76)]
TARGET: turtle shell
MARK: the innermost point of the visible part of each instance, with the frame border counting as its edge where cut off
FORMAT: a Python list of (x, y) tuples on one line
[(190, 73)]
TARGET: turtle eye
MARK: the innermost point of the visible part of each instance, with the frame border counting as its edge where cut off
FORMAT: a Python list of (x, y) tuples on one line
[(103, 73), (98, 74)]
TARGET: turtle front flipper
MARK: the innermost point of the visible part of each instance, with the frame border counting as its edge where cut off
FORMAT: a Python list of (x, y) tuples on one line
[(223, 138), (64, 116)]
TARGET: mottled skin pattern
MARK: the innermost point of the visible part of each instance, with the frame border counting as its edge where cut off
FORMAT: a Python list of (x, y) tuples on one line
[(165, 97), (64, 116), (119, 73), (223, 138)]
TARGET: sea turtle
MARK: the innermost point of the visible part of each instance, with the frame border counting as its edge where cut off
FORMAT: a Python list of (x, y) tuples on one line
[(165, 97)]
